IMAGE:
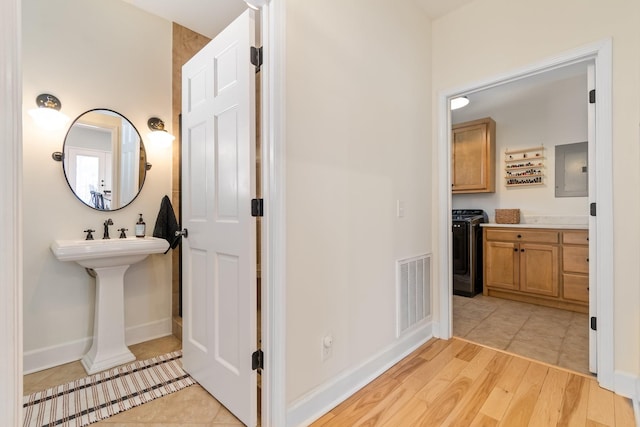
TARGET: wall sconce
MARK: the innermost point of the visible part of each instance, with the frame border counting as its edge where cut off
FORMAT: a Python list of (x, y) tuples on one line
[(459, 102), (48, 115), (158, 134)]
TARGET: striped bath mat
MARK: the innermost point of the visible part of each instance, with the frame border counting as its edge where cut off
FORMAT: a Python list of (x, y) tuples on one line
[(107, 393)]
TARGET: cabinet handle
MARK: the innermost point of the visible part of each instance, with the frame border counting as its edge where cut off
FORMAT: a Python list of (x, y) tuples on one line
[(519, 236), (587, 259), (515, 249), (521, 250)]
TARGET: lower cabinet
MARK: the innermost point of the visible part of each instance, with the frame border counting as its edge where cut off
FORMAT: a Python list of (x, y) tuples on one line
[(537, 266)]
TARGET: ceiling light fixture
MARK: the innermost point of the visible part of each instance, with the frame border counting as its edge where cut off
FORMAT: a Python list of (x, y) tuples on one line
[(459, 102), (48, 115), (158, 134)]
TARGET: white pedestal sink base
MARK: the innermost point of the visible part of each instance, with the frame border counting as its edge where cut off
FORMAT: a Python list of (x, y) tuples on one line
[(109, 258), (108, 349)]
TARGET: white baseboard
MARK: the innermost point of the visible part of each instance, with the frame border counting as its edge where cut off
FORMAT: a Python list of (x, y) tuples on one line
[(625, 384), (148, 331), (322, 399), (48, 357), (628, 385)]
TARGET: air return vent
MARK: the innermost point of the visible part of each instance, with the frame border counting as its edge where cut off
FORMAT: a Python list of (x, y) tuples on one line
[(413, 292)]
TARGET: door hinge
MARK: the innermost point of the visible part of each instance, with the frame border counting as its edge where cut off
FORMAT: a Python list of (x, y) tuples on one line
[(257, 360), (592, 209), (256, 57), (592, 96), (594, 324), (257, 207)]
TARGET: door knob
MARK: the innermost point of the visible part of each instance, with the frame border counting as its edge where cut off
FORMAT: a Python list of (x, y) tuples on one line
[(184, 233)]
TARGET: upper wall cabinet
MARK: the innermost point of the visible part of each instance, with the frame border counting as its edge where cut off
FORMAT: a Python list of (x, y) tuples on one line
[(474, 159)]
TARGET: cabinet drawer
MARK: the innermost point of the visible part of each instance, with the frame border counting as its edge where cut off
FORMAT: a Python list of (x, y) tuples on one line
[(575, 259), (519, 235), (576, 287), (577, 237)]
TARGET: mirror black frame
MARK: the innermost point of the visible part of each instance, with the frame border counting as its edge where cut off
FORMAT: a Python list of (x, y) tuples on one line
[(144, 166)]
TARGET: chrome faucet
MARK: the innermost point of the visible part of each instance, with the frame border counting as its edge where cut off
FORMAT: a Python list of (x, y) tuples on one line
[(107, 223)]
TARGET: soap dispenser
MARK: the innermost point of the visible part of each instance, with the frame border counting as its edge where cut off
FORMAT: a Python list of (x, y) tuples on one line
[(140, 227)]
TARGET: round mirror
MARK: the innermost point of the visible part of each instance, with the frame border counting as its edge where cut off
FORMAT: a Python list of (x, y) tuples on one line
[(104, 160)]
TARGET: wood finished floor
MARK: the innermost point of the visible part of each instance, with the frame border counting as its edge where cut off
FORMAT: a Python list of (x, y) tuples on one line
[(443, 383), (458, 383)]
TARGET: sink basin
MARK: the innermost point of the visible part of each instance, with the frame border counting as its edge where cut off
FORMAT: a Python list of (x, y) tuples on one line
[(110, 259), (108, 252)]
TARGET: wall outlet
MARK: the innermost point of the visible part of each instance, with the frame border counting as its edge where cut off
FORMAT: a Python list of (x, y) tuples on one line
[(327, 347), (400, 208)]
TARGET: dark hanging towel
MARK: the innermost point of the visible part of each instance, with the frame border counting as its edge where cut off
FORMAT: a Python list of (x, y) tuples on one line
[(166, 224)]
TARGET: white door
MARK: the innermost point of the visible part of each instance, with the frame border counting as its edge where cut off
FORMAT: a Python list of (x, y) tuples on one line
[(219, 254), (593, 285)]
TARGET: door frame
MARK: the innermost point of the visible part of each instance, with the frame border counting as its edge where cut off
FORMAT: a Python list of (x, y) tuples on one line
[(273, 237), (600, 53), (274, 286), (11, 214)]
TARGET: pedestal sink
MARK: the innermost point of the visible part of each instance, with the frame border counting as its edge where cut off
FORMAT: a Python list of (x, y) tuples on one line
[(110, 259)]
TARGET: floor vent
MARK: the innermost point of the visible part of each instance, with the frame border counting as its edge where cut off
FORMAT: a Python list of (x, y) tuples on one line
[(413, 292)]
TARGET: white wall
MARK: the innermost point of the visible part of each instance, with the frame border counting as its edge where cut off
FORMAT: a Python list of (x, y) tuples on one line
[(503, 35), (548, 115), (97, 54), (358, 125)]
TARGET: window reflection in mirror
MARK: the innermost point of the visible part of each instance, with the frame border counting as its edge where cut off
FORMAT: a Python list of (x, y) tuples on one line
[(104, 160)]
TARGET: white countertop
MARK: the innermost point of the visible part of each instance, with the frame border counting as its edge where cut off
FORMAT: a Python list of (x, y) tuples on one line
[(538, 225)]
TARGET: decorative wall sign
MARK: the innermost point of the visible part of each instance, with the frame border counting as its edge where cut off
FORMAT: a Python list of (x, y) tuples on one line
[(524, 167)]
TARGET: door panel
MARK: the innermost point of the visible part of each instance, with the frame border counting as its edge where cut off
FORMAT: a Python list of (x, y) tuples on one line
[(539, 269), (502, 267), (219, 254), (468, 148)]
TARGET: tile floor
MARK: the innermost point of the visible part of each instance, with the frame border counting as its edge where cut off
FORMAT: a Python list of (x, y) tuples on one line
[(551, 335), (192, 406)]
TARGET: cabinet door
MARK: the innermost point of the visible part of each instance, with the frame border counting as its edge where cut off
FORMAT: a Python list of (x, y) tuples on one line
[(501, 265), (473, 157), (576, 287), (539, 269), (576, 259)]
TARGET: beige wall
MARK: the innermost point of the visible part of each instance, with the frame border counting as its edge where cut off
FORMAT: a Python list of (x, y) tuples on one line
[(98, 54), (490, 37), (357, 115)]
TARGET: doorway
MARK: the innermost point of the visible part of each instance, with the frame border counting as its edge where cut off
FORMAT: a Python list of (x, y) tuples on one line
[(600, 192), (273, 267), (546, 111)]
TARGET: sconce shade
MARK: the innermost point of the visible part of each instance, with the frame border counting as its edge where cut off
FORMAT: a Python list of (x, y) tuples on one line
[(48, 115), (459, 102), (158, 134)]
